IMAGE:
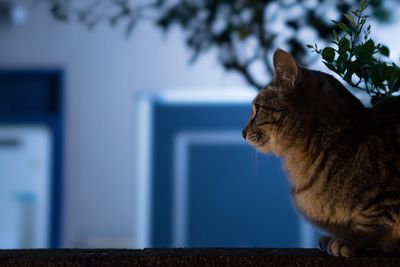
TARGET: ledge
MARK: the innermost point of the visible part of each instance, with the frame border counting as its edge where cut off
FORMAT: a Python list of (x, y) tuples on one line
[(187, 257)]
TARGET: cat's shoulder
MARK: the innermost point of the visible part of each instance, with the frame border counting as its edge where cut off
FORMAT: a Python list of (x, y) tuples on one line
[(387, 110)]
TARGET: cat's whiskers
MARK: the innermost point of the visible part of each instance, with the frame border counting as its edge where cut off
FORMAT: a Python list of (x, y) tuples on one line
[(255, 163)]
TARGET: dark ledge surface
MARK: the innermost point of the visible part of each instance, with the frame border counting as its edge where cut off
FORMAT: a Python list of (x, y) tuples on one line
[(188, 257)]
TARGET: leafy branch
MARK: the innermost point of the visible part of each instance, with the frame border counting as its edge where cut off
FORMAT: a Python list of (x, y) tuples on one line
[(356, 58), (243, 33)]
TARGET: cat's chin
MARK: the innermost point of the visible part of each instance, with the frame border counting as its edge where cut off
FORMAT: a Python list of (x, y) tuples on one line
[(263, 149)]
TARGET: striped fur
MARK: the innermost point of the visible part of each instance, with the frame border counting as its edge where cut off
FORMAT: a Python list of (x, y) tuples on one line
[(342, 158)]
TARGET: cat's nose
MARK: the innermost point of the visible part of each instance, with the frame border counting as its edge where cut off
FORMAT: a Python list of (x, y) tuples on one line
[(244, 133)]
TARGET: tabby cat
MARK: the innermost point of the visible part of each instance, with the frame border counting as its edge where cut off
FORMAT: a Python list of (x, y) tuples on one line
[(342, 159)]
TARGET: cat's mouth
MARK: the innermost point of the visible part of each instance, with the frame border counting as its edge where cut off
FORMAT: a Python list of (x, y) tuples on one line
[(256, 139)]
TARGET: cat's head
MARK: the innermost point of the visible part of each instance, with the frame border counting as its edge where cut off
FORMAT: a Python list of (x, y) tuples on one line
[(273, 105)]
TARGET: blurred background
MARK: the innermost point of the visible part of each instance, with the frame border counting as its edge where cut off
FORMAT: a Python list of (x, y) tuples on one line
[(120, 121)]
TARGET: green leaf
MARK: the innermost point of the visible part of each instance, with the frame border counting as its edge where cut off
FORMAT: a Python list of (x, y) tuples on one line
[(344, 45), (328, 54), (365, 51), (391, 75), (350, 19), (335, 35), (358, 71), (376, 77), (342, 26), (347, 76), (370, 46), (341, 63), (331, 67), (363, 5), (384, 50)]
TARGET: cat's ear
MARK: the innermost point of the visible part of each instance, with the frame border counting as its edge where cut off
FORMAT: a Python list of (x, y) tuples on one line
[(286, 68)]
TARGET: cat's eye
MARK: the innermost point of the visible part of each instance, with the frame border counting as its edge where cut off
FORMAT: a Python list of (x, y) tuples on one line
[(257, 108)]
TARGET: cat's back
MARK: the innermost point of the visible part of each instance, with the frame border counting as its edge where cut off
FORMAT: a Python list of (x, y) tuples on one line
[(348, 162), (388, 109), (387, 112)]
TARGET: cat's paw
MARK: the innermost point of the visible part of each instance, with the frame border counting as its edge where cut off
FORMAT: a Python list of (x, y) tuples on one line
[(324, 242), (336, 246), (340, 247)]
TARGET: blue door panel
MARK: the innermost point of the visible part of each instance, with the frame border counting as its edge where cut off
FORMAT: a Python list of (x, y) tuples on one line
[(169, 120), (235, 197), (236, 202)]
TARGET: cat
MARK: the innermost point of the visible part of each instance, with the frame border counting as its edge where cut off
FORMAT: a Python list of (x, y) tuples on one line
[(342, 158)]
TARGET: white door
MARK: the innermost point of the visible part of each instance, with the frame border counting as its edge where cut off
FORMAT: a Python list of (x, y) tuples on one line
[(25, 160)]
